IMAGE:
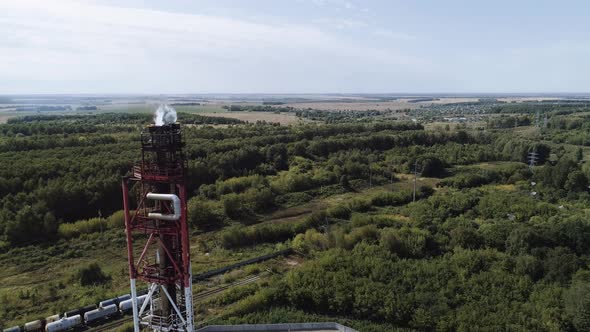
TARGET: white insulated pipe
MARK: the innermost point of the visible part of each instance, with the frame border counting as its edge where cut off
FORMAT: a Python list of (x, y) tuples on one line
[(165, 197), (134, 306), (188, 298)]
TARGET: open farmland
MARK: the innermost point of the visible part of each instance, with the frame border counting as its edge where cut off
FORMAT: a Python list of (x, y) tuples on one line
[(5, 116), (252, 117), (356, 105)]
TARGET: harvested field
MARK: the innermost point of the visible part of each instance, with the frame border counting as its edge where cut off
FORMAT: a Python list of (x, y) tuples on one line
[(394, 105), (357, 106), (282, 118), (5, 117), (525, 99), (442, 101), (401, 103)]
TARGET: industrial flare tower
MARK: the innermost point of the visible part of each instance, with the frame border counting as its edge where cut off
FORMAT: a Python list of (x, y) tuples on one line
[(158, 183)]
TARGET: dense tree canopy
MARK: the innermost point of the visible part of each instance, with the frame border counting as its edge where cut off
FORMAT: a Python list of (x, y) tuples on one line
[(486, 242)]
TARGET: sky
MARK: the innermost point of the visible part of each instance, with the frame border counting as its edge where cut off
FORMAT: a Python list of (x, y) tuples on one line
[(295, 46)]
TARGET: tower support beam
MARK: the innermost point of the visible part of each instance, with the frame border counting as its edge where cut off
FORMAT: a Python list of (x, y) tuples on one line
[(160, 217)]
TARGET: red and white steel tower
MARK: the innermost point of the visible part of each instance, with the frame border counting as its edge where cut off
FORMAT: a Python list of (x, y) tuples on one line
[(160, 221)]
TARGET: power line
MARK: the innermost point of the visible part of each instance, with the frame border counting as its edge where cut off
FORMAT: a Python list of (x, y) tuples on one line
[(415, 179)]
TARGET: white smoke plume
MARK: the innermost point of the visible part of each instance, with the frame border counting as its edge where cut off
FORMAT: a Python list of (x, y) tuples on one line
[(165, 115)]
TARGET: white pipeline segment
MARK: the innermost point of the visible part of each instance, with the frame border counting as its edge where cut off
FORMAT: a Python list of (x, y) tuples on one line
[(165, 197), (148, 298), (134, 306), (188, 296), (189, 309)]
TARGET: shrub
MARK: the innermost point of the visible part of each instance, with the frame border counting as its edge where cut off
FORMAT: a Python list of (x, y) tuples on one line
[(68, 231), (239, 236), (256, 302), (234, 294), (470, 180), (368, 233), (92, 275), (116, 220), (239, 184), (379, 221), (233, 207), (394, 199), (291, 181), (204, 214), (127, 327), (340, 212), (577, 302), (4, 246), (401, 197), (344, 182), (245, 205), (293, 199), (360, 205), (432, 167), (312, 240), (405, 242)]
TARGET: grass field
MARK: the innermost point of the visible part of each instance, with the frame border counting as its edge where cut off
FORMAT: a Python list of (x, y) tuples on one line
[(44, 278)]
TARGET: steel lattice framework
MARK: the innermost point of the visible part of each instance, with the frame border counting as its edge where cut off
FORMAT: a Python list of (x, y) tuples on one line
[(159, 219)]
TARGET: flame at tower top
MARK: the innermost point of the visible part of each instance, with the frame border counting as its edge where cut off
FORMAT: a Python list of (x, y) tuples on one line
[(165, 115)]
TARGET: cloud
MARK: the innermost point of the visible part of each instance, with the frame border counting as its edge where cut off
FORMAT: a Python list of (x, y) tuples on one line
[(341, 23), (338, 4), (67, 46), (380, 32)]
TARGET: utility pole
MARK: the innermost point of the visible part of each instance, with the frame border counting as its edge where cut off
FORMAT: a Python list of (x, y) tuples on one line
[(545, 122), (370, 176), (326, 228), (391, 175), (100, 223), (415, 179)]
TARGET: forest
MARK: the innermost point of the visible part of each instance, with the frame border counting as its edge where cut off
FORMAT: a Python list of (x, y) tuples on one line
[(488, 241)]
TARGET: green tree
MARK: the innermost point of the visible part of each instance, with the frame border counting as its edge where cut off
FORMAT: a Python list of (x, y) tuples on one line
[(577, 301), (576, 181), (344, 183), (205, 215)]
